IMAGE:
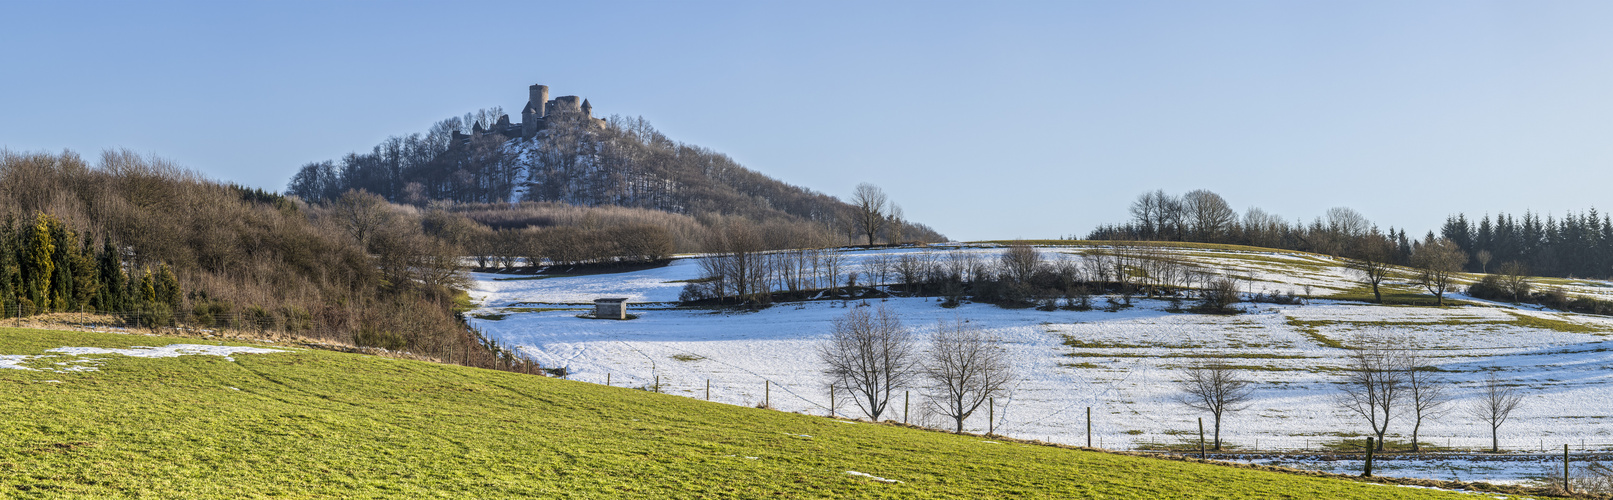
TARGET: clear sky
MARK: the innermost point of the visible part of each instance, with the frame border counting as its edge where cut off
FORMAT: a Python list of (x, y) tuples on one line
[(984, 119)]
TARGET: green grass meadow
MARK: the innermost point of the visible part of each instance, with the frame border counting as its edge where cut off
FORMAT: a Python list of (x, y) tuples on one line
[(319, 424)]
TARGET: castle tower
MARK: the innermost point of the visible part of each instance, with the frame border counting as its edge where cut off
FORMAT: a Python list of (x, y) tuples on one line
[(533, 114), (539, 96), (587, 109)]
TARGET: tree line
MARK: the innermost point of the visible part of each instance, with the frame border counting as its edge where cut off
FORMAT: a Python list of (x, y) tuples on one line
[(1576, 245)]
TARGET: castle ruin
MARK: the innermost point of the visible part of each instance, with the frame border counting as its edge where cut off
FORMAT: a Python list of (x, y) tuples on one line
[(539, 113)]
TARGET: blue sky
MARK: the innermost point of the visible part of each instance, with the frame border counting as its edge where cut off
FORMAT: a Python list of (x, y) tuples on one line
[(984, 119)]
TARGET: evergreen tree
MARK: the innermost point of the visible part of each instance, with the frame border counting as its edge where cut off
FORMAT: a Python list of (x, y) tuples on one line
[(148, 288), (114, 292), (40, 263), (167, 288)]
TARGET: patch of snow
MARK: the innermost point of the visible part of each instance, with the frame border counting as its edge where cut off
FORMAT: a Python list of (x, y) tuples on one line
[(873, 477), (13, 362), (79, 364)]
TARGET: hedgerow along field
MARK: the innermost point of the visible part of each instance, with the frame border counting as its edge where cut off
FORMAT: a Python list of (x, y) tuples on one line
[(320, 424)]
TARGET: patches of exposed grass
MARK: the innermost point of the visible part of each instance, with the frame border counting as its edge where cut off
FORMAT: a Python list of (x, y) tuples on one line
[(696, 280), (1529, 321), (324, 424), (462, 302), (1073, 342), (1080, 365), (490, 316), (687, 357), (1393, 296)]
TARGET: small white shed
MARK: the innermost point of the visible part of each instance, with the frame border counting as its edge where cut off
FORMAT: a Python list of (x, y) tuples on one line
[(610, 308)]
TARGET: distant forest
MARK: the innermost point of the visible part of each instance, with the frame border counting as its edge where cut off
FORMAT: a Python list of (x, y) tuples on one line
[(627, 164), (1576, 245)]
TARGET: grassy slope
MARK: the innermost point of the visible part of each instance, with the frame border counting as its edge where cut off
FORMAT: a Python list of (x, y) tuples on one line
[(324, 424)]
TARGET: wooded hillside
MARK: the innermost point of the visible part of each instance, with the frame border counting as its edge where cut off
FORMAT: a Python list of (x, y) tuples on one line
[(626, 164), (141, 239)]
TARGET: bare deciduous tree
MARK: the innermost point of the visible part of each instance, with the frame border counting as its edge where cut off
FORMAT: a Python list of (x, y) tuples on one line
[(1437, 262), (966, 368), (1374, 382), (1515, 280), (1370, 257), (1215, 387), (1020, 262), (870, 204), (1496, 402), (869, 355), (1483, 257), (1210, 215), (1427, 393)]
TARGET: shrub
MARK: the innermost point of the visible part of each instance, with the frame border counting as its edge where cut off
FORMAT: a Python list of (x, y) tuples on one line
[(371, 337)]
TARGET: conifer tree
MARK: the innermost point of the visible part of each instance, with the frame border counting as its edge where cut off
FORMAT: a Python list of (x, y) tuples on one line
[(167, 288), (40, 261), (148, 288), (114, 292)]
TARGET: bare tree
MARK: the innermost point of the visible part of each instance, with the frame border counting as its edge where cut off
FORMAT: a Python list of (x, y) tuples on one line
[(1210, 215), (1483, 257), (966, 369), (1437, 262), (1370, 258), (897, 220), (1020, 262), (871, 210), (1215, 387), (1515, 279), (1496, 402), (1374, 382), (869, 356), (1429, 398)]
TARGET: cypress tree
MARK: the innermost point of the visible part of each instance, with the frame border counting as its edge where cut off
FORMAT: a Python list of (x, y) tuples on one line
[(40, 263)]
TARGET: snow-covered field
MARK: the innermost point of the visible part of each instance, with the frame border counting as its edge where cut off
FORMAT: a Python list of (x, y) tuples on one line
[(1122, 366)]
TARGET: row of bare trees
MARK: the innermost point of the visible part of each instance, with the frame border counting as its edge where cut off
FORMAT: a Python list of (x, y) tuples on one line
[(871, 356), (1382, 382)]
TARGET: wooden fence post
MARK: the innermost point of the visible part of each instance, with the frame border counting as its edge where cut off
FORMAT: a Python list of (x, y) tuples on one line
[(607, 378), (831, 401), (1566, 487), (767, 394), (1201, 438), (907, 397), (991, 416), (658, 384), (1089, 426), (708, 389)]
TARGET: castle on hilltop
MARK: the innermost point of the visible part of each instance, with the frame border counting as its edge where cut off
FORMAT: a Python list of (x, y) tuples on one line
[(539, 113)]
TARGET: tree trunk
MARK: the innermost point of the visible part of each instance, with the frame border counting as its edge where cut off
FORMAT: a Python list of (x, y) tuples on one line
[(1414, 428), (1380, 437), (1376, 295), (1218, 432), (1495, 441), (960, 425)]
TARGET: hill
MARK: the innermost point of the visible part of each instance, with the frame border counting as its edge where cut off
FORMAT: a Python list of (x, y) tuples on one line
[(568, 157), (303, 423)]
